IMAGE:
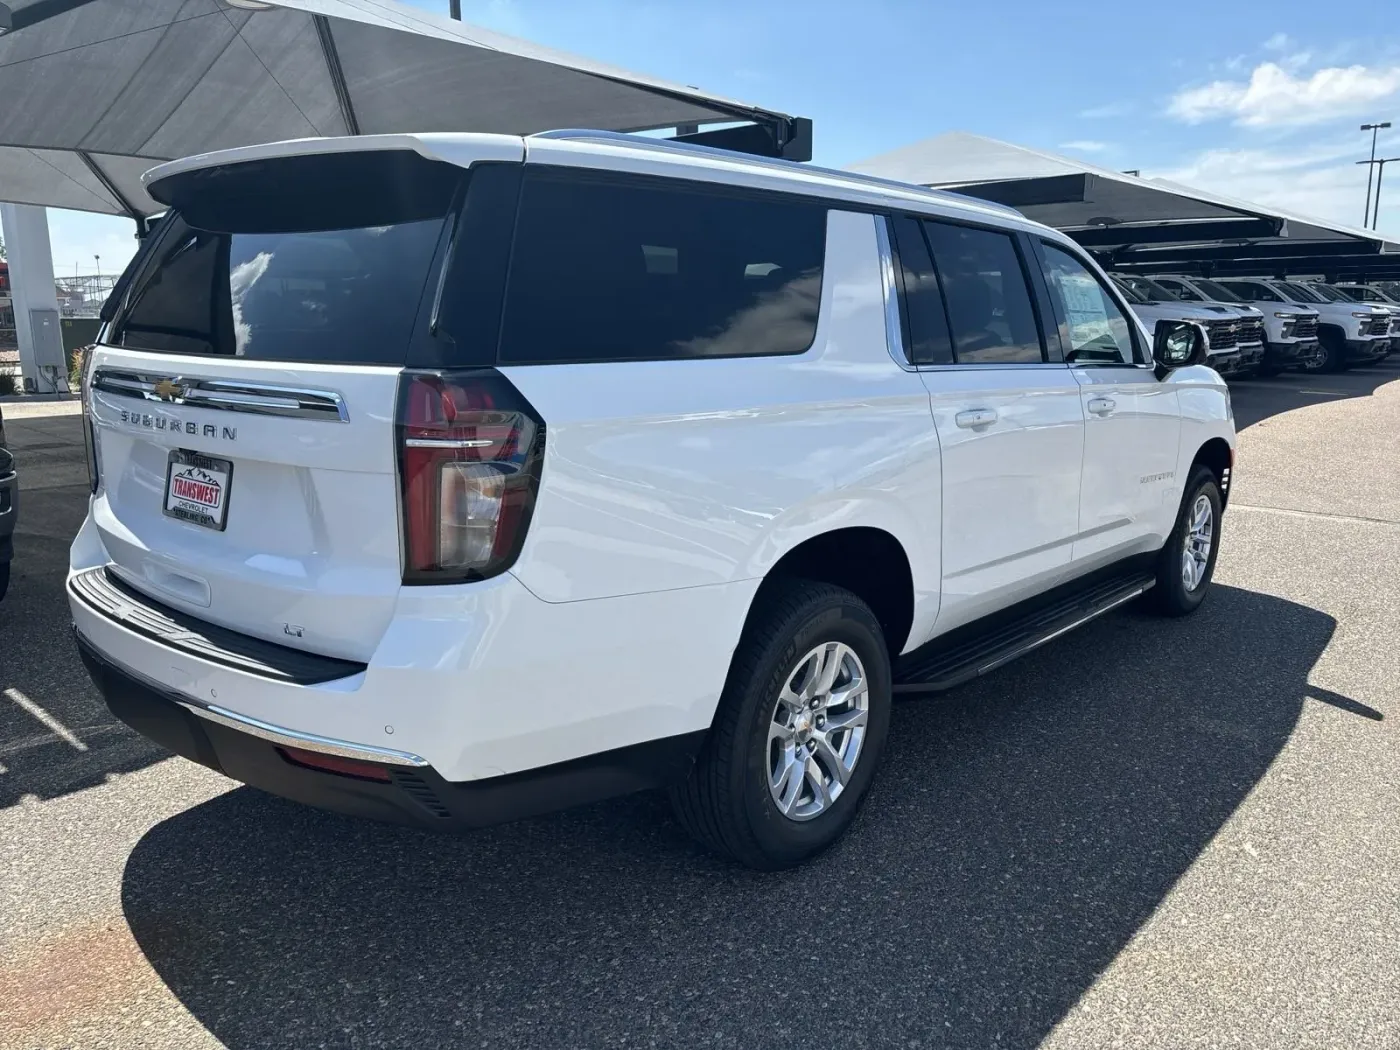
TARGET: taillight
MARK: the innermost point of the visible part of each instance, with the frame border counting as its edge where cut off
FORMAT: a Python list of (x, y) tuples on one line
[(94, 466), (470, 448)]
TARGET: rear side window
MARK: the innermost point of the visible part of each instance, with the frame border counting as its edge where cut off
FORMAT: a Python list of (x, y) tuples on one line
[(623, 270), (317, 258), (989, 302), (927, 336)]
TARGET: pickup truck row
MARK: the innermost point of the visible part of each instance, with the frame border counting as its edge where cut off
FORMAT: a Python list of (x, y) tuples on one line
[(1260, 326)]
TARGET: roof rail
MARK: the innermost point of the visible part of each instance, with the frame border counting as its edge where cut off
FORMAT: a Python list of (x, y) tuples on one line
[(671, 146)]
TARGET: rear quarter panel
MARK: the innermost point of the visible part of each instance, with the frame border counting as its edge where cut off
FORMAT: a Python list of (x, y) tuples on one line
[(673, 474)]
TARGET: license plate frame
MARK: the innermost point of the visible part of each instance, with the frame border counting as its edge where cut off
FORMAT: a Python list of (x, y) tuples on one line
[(202, 472)]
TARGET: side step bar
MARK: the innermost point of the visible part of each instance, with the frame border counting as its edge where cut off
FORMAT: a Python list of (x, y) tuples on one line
[(961, 656)]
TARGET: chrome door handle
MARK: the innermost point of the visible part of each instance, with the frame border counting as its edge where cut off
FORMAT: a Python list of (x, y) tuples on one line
[(976, 417), (1102, 406)]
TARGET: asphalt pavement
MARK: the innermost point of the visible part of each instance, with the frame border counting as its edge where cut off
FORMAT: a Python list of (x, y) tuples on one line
[(1146, 834)]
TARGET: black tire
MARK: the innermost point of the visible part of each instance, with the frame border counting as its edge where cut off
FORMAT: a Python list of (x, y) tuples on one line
[(726, 802), (1172, 596), (4, 579), (1331, 355)]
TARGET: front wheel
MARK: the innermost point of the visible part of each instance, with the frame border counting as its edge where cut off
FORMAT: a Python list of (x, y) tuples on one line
[(1187, 561), (1330, 356), (799, 730)]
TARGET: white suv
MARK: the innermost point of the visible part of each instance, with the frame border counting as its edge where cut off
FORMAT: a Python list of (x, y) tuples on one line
[(453, 478)]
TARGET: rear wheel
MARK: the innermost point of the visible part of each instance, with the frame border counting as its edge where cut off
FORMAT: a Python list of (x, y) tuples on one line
[(1187, 561), (799, 730), (4, 578)]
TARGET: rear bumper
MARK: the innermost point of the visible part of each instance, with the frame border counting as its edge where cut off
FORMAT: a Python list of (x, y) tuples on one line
[(9, 515), (405, 791), (481, 680)]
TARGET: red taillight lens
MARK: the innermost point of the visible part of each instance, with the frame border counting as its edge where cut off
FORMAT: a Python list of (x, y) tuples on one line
[(470, 448), (94, 465)]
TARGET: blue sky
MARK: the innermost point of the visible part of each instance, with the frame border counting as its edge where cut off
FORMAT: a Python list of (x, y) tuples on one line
[(1260, 99)]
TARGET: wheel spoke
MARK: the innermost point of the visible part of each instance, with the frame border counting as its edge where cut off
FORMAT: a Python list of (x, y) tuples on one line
[(779, 731), (851, 719), (787, 785), (831, 660), (810, 669), (813, 773), (828, 756)]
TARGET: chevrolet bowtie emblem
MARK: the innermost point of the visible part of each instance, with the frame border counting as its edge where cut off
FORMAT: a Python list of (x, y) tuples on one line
[(171, 390)]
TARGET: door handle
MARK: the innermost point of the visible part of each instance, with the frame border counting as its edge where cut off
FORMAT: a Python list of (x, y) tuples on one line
[(1102, 406), (976, 417)]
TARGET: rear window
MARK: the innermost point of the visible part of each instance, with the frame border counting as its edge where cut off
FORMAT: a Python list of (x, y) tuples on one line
[(624, 270), (318, 259)]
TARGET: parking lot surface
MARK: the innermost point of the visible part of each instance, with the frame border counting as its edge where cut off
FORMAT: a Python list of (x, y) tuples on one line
[(1148, 833)]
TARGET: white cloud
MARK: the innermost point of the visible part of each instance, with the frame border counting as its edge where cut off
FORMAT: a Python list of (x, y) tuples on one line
[(1275, 96), (1085, 146), (1319, 181), (1111, 109)]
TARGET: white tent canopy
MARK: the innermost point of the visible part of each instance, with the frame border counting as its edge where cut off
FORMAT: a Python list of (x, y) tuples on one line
[(98, 91), (1137, 222)]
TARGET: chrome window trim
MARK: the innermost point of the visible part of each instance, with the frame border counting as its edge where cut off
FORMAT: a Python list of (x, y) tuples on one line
[(894, 324), (247, 396)]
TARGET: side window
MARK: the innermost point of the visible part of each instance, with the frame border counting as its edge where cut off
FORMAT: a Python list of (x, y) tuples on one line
[(1181, 291), (1098, 329), (989, 302), (927, 337), (1258, 292), (606, 270)]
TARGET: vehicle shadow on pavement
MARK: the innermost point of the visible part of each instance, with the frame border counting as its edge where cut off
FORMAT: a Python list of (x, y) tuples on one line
[(43, 684), (1256, 400), (1022, 830)]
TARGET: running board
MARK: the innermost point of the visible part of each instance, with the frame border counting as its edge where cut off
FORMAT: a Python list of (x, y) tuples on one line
[(966, 653)]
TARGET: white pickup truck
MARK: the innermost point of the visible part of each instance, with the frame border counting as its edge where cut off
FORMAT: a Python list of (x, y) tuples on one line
[(1289, 334), (449, 479), (1348, 333), (1153, 304)]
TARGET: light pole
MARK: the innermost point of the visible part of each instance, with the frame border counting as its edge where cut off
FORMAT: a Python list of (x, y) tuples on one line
[(454, 8), (1380, 174), (1372, 128)]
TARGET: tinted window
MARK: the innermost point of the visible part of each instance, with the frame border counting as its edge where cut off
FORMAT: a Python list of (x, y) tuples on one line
[(989, 304), (927, 337), (1299, 293), (1150, 290), (1098, 329), (610, 271), (1257, 292), (347, 295), (1181, 291), (1218, 292)]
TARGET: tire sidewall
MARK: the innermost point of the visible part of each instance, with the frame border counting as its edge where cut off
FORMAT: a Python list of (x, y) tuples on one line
[(840, 620)]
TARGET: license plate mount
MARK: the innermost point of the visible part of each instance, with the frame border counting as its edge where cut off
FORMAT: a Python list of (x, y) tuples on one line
[(197, 489)]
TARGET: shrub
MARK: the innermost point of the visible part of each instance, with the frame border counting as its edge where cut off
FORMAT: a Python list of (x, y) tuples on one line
[(9, 383)]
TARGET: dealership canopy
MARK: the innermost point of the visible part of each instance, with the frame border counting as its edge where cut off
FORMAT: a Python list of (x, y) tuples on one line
[(97, 91), (1134, 223)]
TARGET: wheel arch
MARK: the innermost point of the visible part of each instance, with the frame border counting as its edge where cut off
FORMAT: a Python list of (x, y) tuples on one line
[(1217, 456), (870, 562)]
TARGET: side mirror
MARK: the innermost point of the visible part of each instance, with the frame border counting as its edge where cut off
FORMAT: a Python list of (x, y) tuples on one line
[(1178, 344)]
